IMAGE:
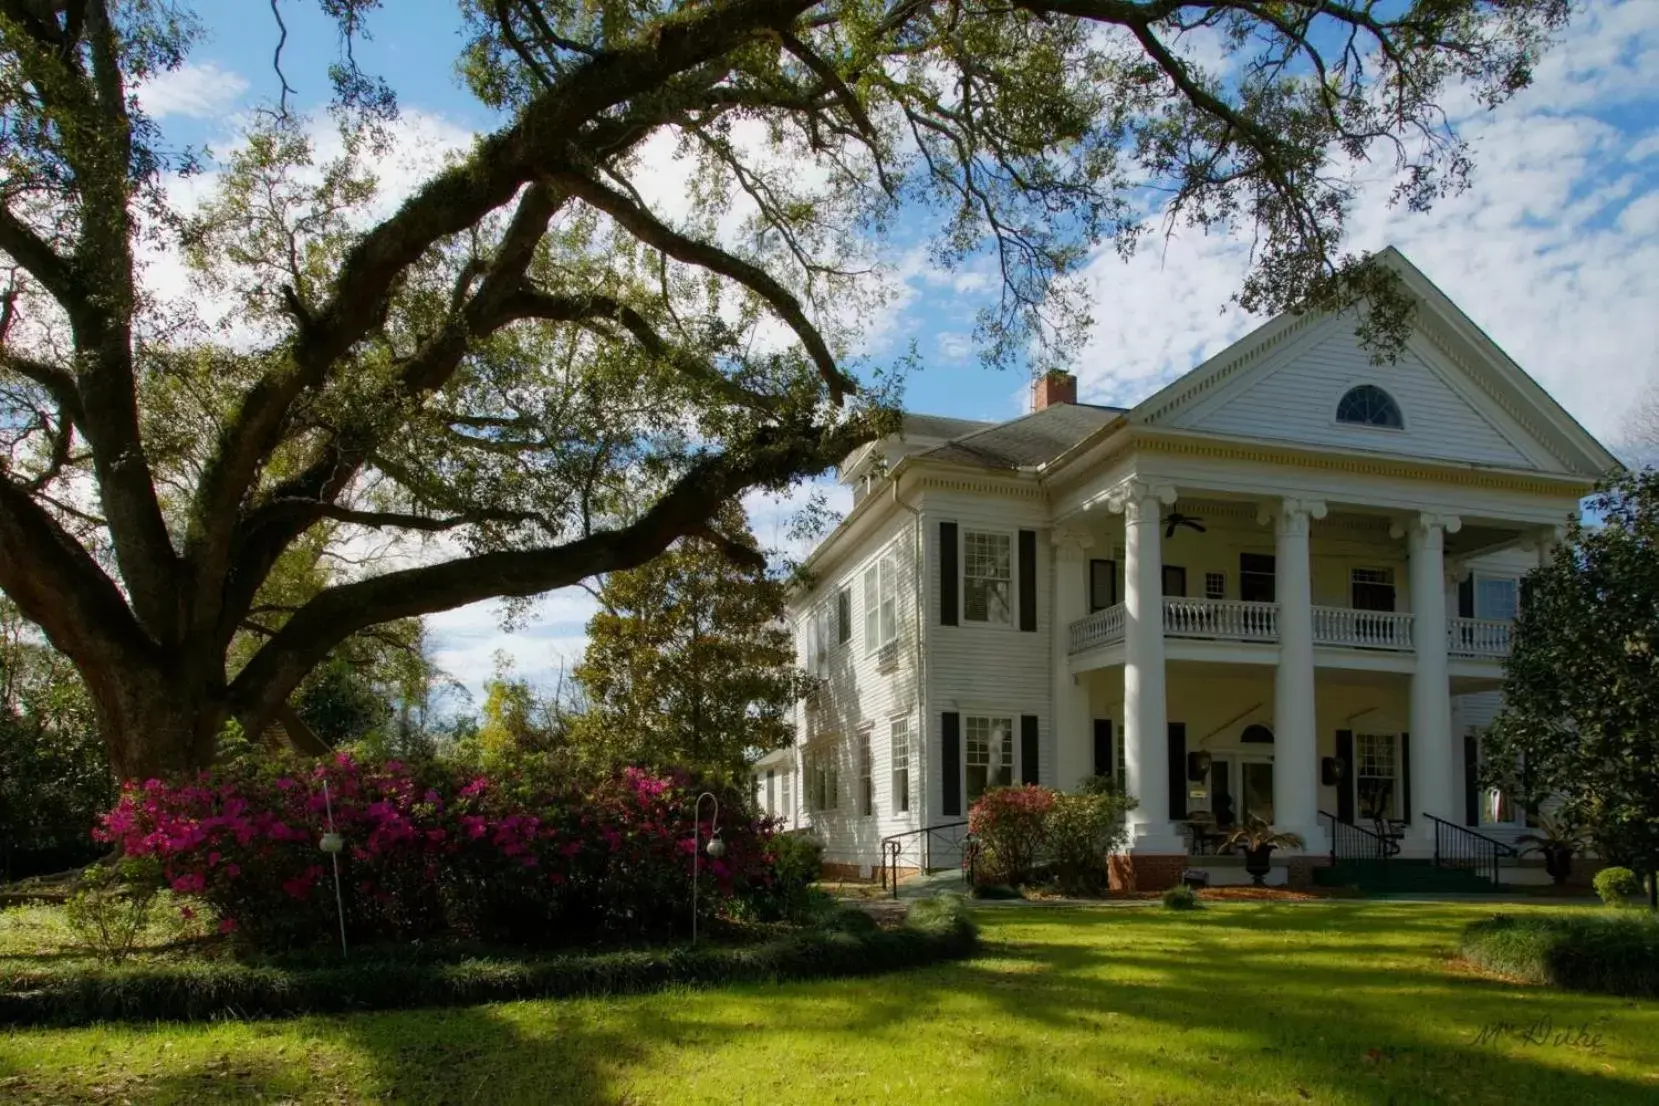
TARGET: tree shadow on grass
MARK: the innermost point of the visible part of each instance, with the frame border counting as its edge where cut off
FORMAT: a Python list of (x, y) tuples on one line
[(1263, 1005)]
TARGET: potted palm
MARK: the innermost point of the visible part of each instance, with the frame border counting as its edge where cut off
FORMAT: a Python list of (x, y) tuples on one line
[(1557, 841), (1258, 840)]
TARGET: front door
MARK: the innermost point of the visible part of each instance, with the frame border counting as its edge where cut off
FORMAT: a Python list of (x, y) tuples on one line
[(1256, 788)]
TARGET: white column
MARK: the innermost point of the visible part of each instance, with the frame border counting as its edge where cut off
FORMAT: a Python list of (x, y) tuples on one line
[(1433, 763), (1295, 730), (1145, 720), (1073, 746)]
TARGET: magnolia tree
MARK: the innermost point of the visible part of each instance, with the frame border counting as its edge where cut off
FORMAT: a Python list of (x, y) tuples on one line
[(1581, 691), (528, 362)]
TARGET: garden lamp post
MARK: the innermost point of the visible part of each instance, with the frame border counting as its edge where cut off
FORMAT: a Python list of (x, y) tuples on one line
[(332, 843), (716, 847)]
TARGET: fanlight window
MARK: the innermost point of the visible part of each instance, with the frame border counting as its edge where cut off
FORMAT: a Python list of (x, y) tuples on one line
[(1369, 405)]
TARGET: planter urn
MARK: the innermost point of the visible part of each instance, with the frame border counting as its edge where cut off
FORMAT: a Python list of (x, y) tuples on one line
[(1258, 862)]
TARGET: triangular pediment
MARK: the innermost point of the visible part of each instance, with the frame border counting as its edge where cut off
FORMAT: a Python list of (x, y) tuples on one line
[(1461, 399)]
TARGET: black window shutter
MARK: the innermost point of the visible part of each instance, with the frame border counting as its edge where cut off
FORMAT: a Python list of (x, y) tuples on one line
[(950, 759), (1466, 597), (1103, 584), (1028, 580), (949, 574), (1177, 770), (844, 616), (1028, 748), (1471, 780), (1103, 746), (1345, 791), (1405, 777)]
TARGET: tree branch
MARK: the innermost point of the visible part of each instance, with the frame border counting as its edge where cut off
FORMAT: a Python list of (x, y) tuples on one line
[(776, 455), (658, 235)]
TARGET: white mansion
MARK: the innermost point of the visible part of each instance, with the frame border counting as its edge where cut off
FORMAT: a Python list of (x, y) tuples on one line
[(1282, 586)]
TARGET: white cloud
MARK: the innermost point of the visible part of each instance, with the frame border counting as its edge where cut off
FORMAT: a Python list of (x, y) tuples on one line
[(197, 91), (1554, 251)]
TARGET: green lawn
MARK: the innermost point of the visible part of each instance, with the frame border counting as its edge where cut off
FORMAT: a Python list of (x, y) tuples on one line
[(1346, 1002)]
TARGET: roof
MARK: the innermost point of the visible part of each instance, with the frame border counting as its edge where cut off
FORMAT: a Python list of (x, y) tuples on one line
[(940, 426), (1027, 442)]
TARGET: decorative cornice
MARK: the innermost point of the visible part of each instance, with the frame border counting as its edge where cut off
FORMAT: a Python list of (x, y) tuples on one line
[(1363, 466), (1022, 490)]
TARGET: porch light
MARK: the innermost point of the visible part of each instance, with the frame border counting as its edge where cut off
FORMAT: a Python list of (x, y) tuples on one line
[(1198, 765), (1331, 771)]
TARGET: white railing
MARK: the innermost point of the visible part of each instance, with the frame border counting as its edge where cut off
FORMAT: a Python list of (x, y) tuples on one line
[(1229, 619), (1353, 629), (1478, 637), (1103, 627)]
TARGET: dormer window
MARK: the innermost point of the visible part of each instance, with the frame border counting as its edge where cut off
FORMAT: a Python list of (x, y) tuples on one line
[(1369, 405)]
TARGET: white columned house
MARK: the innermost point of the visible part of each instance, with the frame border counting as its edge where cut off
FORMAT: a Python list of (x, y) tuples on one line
[(1089, 590), (1145, 712), (1296, 761)]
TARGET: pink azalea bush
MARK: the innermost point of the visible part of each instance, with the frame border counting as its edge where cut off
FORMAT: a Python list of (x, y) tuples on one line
[(1010, 824), (528, 856)]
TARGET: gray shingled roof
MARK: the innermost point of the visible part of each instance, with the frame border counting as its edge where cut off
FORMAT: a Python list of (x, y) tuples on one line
[(941, 426), (1029, 441)]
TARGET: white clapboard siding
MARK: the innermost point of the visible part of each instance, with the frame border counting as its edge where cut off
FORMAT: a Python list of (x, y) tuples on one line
[(860, 690), (1295, 399), (981, 668)]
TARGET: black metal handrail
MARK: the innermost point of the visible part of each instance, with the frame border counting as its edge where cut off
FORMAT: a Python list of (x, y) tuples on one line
[(894, 846), (1351, 842), (1458, 846)]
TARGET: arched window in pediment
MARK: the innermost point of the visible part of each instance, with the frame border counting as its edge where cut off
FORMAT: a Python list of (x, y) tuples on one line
[(1369, 405)]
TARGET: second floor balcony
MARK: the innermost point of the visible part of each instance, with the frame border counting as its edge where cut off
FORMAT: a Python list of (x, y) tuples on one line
[(1235, 620)]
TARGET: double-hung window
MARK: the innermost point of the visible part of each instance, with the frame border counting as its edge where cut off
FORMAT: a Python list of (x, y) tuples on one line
[(1376, 779), (987, 577), (899, 737), (866, 775), (989, 755), (881, 602)]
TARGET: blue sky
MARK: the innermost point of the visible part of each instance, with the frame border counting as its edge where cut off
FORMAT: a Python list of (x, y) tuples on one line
[(1554, 251)]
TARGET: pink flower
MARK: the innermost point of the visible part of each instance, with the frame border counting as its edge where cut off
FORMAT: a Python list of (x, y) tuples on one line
[(227, 925), (191, 883)]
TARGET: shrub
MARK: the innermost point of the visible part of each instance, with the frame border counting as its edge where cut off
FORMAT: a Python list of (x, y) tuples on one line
[(795, 859), (526, 857), (112, 908), (1009, 823), (1612, 953), (1616, 885), (1081, 831), (396, 977), (945, 910), (994, 891), (1181, 897)]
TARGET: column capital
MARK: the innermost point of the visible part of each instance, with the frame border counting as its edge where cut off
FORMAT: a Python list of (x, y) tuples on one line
[(1133, 496), (1425, 524), (1291, 513), (1071, 542), (1543, 539)]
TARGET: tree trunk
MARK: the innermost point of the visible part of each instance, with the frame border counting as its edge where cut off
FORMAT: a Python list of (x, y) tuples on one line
[(156, 723)]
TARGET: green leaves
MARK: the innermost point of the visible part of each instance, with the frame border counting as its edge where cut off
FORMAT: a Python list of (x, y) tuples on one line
[(1582, 685)]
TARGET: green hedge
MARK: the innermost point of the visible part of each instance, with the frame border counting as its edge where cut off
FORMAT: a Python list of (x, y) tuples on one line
[(1615, 953), (389, 978)]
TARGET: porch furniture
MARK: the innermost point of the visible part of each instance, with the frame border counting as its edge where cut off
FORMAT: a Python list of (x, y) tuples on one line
[(1203, 833), (1389, 833)]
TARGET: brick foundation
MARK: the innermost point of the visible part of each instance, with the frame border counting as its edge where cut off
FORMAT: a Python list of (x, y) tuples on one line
[(1145, 871), (1299, 871), (841, 872)]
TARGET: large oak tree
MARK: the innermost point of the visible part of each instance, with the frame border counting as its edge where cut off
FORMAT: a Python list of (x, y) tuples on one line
[(530, 363)]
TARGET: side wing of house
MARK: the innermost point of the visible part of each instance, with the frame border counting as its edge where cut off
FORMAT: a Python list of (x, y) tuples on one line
[(855, 778)]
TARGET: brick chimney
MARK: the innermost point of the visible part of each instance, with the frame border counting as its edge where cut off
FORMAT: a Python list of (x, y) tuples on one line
[(1052, 388)]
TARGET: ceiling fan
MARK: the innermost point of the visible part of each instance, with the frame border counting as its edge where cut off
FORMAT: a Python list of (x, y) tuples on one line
[(1176, 518)]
